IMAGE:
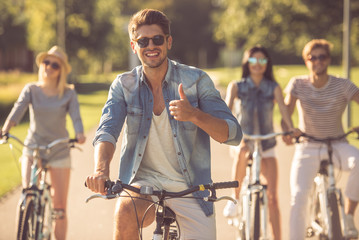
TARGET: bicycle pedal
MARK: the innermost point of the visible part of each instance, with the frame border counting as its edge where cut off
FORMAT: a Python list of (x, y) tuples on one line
[(310, 232)]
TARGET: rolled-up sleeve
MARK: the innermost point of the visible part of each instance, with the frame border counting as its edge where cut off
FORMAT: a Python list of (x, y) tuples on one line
[(212, 103), (104, 137), (113, 116), (234, 132)]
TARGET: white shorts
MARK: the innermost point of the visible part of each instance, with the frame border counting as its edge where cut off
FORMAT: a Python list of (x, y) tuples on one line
[(193, 223), (58, 163), (269, 153)]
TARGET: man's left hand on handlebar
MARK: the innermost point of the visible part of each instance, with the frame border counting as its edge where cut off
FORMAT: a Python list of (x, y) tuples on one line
[(356, 129), (80, 138), (288, 139)]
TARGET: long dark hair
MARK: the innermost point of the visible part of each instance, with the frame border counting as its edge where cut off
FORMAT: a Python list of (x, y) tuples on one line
[(249, 53)]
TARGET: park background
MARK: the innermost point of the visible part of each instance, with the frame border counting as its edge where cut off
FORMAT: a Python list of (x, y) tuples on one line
[(210, 34)]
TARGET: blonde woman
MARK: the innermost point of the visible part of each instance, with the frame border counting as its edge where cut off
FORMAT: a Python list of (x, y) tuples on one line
[(49, 100)]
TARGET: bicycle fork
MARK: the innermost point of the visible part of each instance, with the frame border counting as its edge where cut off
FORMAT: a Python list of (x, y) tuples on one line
[(325, 186), (340, 202), (249, 204)]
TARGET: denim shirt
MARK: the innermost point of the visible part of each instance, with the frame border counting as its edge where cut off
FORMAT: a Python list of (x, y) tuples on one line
[(262, 99), (130, 100)]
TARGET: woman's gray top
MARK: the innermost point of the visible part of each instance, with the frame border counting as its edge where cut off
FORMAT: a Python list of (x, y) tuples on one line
[(47, 117)]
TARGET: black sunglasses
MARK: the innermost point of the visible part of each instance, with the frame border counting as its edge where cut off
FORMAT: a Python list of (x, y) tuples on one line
[(321, 57), (54, 65), (157, 40)]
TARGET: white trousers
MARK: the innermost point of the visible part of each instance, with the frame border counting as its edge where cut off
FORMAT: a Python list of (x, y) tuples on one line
[(305, 166)]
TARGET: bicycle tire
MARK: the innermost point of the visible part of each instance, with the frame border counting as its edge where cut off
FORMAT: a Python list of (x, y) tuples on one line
[(19, 219), (315, 218), (257, 215), (45, 227), (241, 231), (28, 222), (335, 228)]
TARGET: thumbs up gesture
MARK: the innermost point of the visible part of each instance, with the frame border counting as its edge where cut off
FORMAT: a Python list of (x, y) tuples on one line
[(181, 109)]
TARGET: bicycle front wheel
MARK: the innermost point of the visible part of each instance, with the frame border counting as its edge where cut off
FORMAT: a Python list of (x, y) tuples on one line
[(335, 226), (27, 227), (45, 226), (256, 231)]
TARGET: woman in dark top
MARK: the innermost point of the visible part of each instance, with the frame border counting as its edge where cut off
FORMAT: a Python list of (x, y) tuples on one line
[(257, 92)]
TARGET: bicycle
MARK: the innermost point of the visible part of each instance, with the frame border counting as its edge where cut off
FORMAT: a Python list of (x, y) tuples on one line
[(252, 218), (35, 211), (326, 206), (167, 227)]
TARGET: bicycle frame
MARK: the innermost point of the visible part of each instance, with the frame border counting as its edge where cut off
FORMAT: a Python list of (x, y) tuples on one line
[(252, 223), (39, 190), (255, 187), (36, 213), (324, 186), (325, 219)]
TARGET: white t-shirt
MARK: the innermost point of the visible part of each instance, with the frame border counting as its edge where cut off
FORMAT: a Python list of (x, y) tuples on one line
[(321, 109), (159, 165)]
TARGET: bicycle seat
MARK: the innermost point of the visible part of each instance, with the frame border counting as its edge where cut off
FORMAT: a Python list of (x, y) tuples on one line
[(323, 169)]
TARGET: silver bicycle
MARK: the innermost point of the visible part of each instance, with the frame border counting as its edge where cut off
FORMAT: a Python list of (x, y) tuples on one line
[(252, 218), (326, 205), (36, 214)]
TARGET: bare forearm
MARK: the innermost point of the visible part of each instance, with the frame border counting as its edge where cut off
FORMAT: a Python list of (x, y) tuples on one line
[(215, 127), (103, 155), (7, 126), (286, 119)]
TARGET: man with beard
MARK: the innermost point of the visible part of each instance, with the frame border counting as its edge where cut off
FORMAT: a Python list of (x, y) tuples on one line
[(171, 111)]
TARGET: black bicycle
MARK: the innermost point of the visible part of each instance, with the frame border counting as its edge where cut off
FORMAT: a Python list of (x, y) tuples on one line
[(167, 227), (36, 214), (326, 210)]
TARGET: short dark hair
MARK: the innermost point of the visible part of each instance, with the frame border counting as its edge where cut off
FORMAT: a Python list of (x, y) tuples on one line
[(148, 17), (247, 54)]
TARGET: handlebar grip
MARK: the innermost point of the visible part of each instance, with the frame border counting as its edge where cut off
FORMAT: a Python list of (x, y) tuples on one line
[(108, 184), (287, 133), (232, 184)]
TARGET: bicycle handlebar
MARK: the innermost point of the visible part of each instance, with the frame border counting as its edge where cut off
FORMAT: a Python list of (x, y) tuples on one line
[(264, 137), (329, 139), (39, 147), (114, 189)]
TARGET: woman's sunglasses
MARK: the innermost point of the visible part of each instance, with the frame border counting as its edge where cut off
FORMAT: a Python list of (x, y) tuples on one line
[(54, 65), (157, 40), (261, 61)]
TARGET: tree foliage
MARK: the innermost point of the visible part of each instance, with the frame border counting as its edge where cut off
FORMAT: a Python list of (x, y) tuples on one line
[(97, 40), (283, 26)]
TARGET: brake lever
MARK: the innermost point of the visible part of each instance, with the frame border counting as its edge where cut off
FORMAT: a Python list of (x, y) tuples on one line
[(106, 197), (4, 138), (215, 199), (78, 148)]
